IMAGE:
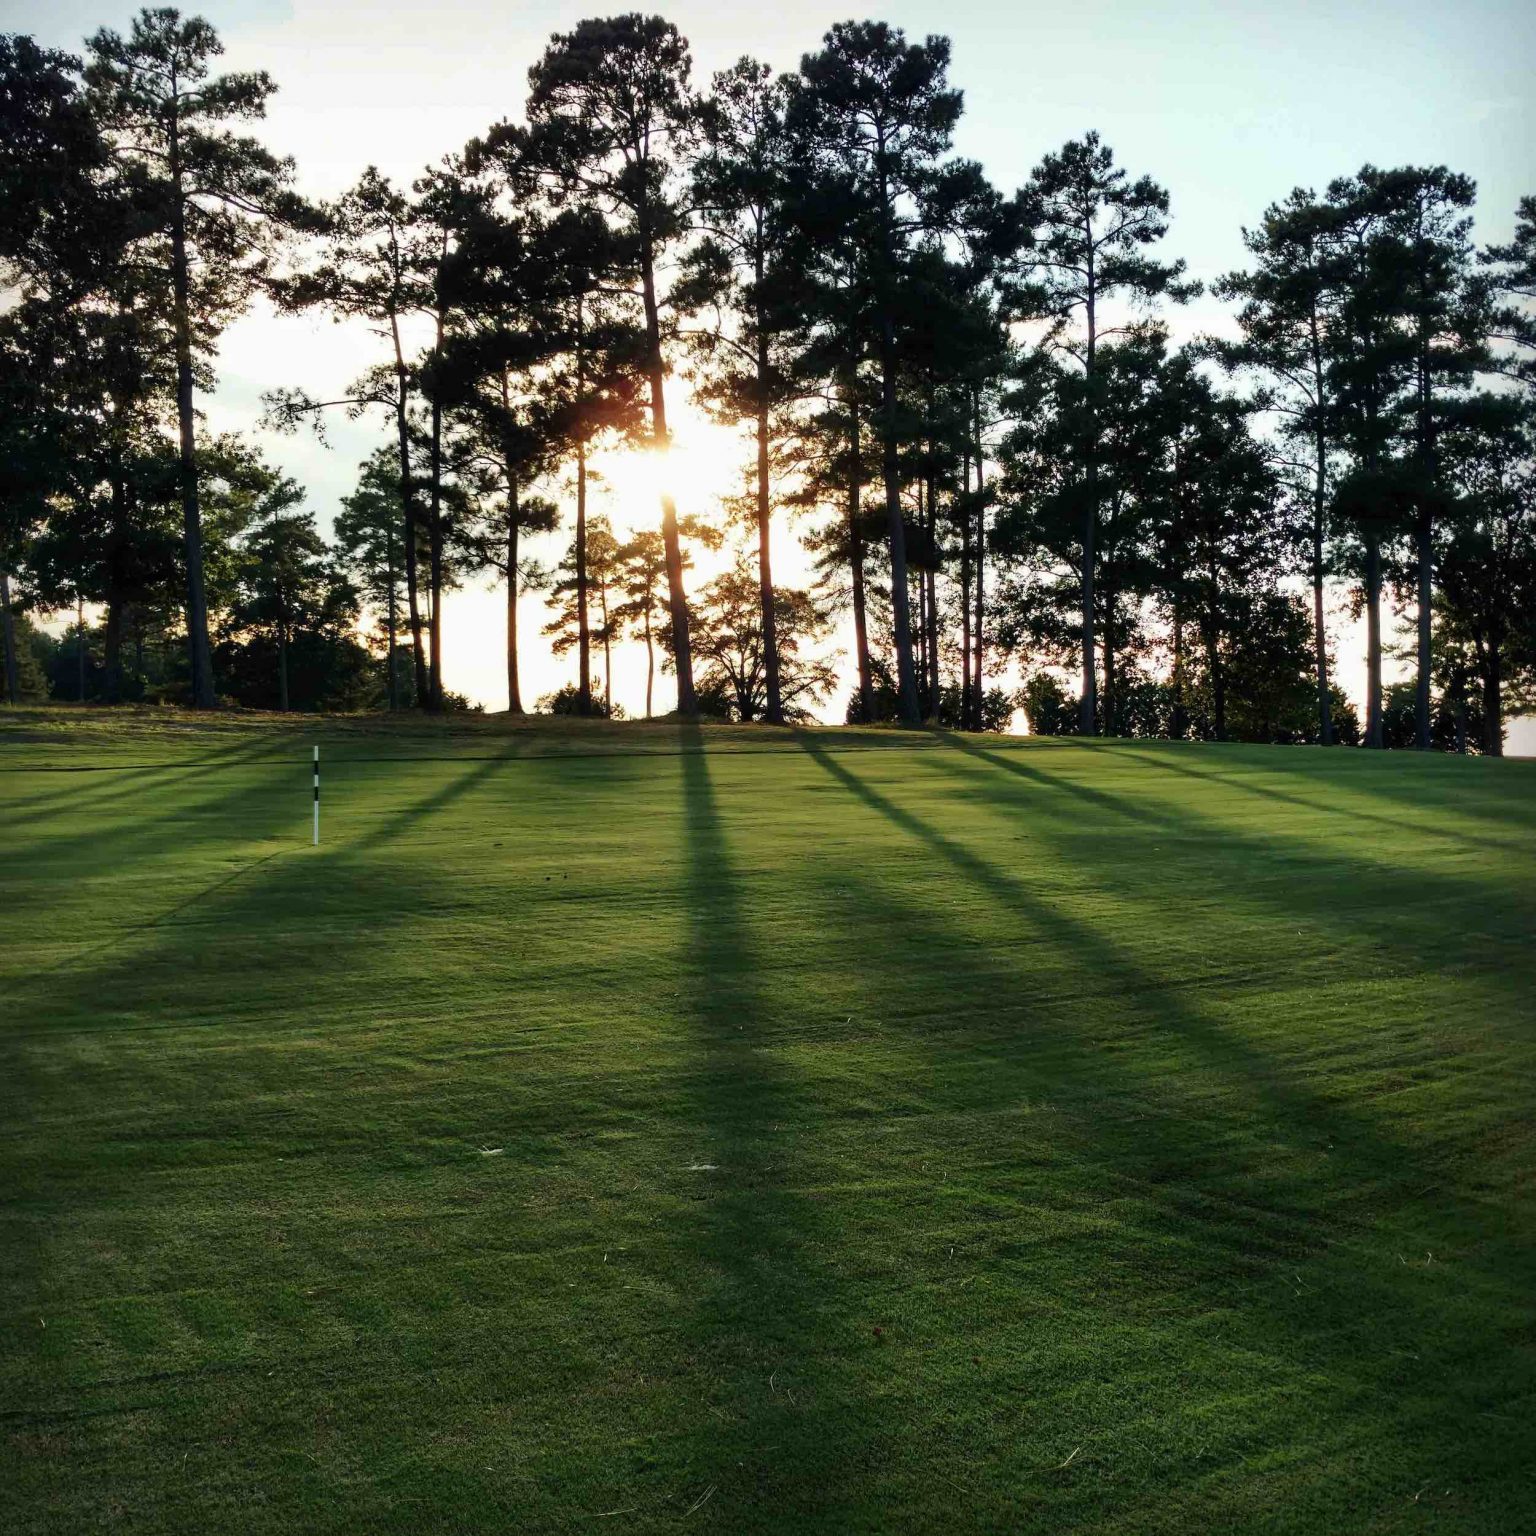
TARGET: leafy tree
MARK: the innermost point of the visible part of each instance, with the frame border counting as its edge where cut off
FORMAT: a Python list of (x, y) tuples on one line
[(1223, 531), (1427, 255), (1043, 458), (1288, 313), (1487, 558), (285, 575), (55, 229), (1371, 362), (597, 556), (1511, 273), (531, 367), (367, 534), (741, 182), (371, 269), (732, 646), (1048, 709), (1092, 227), (833, 467), (642, 570), (610, 116), (52, 161), (217, 200), (875, 116)]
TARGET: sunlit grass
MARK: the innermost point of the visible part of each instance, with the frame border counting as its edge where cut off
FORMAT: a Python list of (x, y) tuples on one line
[(647, 1128)]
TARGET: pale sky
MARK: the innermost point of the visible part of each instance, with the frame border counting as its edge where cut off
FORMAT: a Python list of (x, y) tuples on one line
[(1229, 105)]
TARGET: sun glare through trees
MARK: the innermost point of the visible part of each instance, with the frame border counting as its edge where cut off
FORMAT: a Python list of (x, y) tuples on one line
[(774, 795)]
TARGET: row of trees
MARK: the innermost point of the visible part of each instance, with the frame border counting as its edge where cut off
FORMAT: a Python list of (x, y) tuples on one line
[(969, 396)]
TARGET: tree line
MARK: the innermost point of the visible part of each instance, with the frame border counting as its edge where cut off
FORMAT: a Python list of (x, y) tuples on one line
[(967, 396)]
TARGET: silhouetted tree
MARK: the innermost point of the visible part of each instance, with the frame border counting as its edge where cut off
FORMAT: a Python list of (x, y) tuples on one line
[(738, 271), (1092, 226), (597, 553), (1487, 556), (732, 646), (874, 116), (371, 269), (610, 117), (368, 545), (1289, 316), (218, 201), (1511, 275)]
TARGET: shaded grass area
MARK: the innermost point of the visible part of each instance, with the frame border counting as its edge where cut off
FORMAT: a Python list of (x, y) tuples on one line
[(656, 1128)]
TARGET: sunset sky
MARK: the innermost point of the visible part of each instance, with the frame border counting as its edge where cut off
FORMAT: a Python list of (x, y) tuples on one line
[(1228, 105)]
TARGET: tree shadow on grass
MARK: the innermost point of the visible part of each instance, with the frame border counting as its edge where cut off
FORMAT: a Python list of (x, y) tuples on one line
[(1213, 1206), (1352, 894), (1419, 782), (295, 878), (1422, 824), (787, 1440), (1102, 962), (103, 1130), (109, 785)]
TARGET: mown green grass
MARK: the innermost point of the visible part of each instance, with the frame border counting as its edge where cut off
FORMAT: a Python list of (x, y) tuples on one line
[(896, 1133)]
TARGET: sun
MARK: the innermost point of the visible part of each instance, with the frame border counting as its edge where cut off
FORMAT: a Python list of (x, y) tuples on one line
[(704, 464)]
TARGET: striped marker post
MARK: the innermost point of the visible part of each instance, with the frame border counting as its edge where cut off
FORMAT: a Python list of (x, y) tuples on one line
[(317, 798)]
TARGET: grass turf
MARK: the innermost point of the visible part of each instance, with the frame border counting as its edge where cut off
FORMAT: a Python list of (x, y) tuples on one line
[(640, 1128)]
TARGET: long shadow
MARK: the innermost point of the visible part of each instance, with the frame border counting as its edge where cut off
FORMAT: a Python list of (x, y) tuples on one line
[(1286, 1101), (400, 821), (71, 982), (1422, 826), (783, 1443), (1280, 1175), (1381, 893), (193, 814), (1204, 1215), (1419, 782), (110, 784)]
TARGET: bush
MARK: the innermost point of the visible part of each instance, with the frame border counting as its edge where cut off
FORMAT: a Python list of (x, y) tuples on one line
[(1048, 707), (566, 700)]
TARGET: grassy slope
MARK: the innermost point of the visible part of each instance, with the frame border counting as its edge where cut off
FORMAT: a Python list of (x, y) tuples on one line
[(955, 1135)]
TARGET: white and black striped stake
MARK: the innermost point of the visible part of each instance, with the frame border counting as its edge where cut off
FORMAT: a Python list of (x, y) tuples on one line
[(317, 798)]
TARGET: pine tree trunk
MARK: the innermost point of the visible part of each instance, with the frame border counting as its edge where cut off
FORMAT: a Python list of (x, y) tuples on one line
[(1178, 723), (1108, 701), (1214, 661), (965, 594), (112, 651), (931, 582), (435, 544), (1373, 722), (650, 659), (514, 691), (1424, 539), (583, 623), (978, 690), (901, 613), (775, 713), (1319, 532), (856, 571), (607, 633), (1320, 632), (282, 666), (117, 545), (79, 649), (1088, 720), (199, 653), (8, 625), (1493, 703), (677, 598), (408, 504), (392, 586), (901, 610)]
